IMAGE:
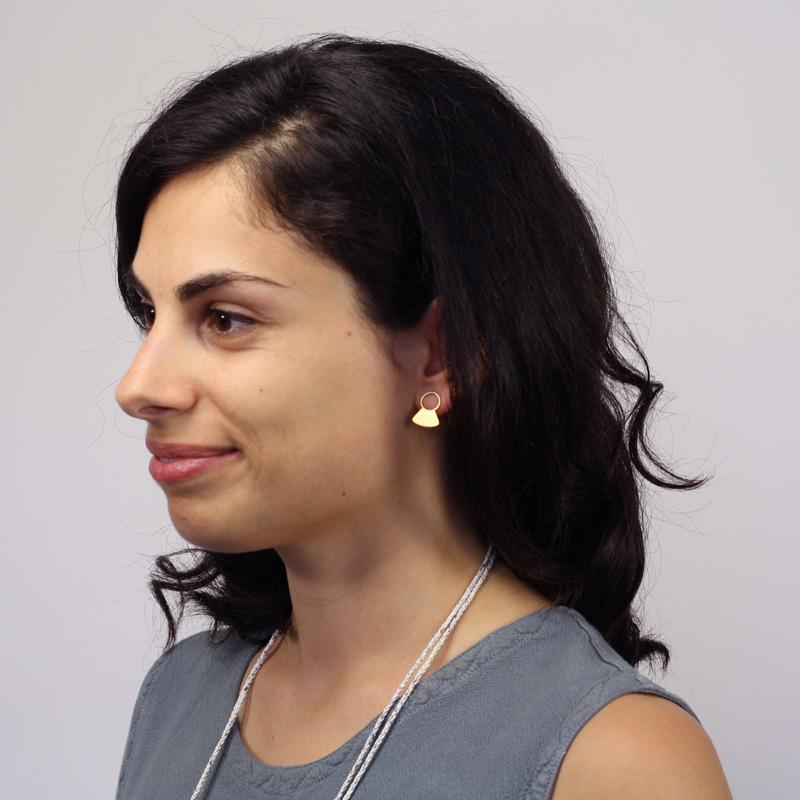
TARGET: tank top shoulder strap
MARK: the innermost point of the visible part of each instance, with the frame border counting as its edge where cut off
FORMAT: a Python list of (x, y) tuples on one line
[(623, 679)]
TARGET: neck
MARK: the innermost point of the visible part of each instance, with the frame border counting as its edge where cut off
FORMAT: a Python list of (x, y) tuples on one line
[(366, 601)]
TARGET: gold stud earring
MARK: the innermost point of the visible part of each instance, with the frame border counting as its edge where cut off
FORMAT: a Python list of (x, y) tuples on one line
[(427, 417)]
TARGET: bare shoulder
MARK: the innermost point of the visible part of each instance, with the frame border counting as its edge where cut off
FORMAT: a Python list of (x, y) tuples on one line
[(641, 745)]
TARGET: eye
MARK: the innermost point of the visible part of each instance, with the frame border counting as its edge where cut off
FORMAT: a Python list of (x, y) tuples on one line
[(223, 322), (140, 312), (227, 318)]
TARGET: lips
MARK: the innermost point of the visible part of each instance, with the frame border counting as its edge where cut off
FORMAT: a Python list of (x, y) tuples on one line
[(180, 469), (175, 461), (177, 450)]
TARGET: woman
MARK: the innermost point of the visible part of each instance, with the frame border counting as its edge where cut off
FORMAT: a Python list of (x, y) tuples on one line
[(378, 373)]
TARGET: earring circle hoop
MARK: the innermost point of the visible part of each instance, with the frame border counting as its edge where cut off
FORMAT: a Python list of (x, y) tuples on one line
[(422, 401)]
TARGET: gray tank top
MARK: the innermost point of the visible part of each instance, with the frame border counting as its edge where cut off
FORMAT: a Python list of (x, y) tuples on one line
[(495, 721)]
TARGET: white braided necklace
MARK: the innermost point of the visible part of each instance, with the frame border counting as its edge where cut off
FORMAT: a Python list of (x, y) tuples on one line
[(367, 752)]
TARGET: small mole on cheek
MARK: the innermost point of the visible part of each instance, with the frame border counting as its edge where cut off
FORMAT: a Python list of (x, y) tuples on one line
[(344, 493), (349, 333)]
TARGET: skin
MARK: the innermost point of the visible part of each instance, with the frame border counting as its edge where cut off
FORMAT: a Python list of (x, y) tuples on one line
[(331, 471), (639, 746)]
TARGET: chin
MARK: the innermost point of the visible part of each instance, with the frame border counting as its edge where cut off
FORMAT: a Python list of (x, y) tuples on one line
[(214, 541), (201, 530)]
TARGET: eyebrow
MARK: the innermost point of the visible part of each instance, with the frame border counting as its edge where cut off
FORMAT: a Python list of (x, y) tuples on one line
[(202, 283)]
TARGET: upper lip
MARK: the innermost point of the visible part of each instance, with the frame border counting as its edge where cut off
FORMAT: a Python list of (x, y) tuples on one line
[(176, 450)]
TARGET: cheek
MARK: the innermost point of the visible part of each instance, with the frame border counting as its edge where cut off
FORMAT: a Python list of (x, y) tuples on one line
[(344, 467), (325, 434)]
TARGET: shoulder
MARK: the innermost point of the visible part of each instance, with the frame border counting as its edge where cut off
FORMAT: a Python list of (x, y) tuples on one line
[(195, 659), (182, 651), (181, 675), (641, 745)]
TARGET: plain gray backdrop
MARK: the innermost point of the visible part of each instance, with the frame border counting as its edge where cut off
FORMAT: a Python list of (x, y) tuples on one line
[(678, 123)]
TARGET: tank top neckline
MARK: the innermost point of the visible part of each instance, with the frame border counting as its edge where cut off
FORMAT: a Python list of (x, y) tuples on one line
[(431, 686)]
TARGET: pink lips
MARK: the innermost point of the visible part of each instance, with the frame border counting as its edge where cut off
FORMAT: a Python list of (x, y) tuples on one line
[(189, 460)]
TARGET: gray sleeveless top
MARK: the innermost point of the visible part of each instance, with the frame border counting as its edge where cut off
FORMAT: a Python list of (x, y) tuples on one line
[(495, 721)]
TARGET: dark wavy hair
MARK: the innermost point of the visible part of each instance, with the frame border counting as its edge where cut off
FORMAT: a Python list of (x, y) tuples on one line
[(423, 178)]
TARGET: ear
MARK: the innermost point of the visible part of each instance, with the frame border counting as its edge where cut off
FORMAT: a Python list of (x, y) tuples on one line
[(433, 375)]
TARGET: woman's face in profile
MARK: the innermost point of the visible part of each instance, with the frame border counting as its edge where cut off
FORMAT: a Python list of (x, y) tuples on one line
[(291, 375)]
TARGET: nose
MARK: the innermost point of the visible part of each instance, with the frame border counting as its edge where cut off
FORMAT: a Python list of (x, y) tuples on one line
[(158, 381)]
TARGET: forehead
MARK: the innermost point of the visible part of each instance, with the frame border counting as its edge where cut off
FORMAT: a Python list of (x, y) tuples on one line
[(204, 221)]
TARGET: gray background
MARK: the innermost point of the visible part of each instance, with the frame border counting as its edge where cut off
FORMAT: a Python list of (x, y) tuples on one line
[(678, 122)]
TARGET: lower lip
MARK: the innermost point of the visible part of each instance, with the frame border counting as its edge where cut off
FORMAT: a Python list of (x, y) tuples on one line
[(172, 471)]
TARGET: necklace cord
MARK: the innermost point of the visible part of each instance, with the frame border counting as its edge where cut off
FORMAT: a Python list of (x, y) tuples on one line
[(438, 639), (367, 753)]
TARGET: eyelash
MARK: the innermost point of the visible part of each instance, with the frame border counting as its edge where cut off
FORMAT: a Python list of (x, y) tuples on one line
[(140, 310)]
